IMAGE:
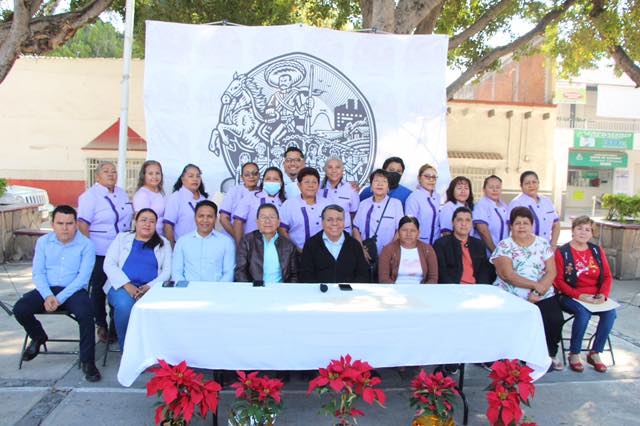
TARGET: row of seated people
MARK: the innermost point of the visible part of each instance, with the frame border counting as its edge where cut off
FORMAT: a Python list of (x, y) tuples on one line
[(525, 265)]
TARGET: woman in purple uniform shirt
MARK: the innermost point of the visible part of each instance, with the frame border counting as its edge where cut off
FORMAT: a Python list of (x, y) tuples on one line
[(379, 212), (490, 214), (150, 194), (459, 194), (249, 176), (424, 204), (104, 210), (179, 214), (271, 191), (300, 216), (337, 191), (546, 222)]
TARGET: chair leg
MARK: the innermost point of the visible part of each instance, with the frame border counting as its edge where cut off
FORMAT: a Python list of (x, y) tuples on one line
[(24, 347), (613, 360), (106, 349)]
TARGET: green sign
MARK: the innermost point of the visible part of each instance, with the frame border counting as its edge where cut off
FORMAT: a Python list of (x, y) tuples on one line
[(598, 159), (602, 140)]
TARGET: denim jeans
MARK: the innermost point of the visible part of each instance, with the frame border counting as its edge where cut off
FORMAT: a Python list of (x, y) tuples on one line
[(580, 322), (122, 304)]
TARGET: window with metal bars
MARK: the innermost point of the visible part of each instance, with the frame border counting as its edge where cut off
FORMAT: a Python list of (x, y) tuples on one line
[(476, 175), (131, 180)]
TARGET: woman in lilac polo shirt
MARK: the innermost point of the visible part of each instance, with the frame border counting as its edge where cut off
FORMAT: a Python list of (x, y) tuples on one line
[(546, 222), (424, 204), (150, 194), (249, 176), (104, 210), (337, 191), (300, 216), (490, 214), (378, 212), (271, 191), (459, 194), (179, 214)]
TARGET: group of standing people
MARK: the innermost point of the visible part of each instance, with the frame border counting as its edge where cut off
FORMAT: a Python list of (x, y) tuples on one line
[(296, 227)]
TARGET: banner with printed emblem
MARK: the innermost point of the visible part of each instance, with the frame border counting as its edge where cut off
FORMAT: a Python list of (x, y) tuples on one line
[(220, 96)]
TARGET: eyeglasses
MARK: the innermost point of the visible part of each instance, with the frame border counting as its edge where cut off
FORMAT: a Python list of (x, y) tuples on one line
[(268, 218), (250, 174), (293, 160), (430, 177)]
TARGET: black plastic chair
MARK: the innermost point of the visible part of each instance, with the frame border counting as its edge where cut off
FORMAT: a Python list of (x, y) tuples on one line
[(46, 351), (587, 338)]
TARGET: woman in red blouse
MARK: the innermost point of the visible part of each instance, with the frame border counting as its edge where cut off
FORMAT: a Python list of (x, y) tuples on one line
[(584, 274)]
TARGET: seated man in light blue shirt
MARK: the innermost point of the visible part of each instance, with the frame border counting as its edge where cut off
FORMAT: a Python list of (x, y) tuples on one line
[(62, 265), (204, 254), (263, 255)]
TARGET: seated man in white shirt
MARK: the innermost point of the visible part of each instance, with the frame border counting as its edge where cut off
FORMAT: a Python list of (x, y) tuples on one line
[(204, 254)]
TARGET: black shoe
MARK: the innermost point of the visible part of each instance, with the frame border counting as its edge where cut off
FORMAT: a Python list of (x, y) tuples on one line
[(90, 371), (33, 349)]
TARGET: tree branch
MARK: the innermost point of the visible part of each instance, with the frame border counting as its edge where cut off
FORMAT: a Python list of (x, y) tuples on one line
[(480, 24), (428, 24), (42, 34), (495, 54), (409, 13), (625, 63), (16, 34)]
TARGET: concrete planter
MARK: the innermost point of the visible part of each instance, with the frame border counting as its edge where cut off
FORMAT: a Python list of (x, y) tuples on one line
[(621, 242)]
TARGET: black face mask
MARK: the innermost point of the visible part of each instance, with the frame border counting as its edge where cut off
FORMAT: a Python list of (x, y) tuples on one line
[(394, 179)]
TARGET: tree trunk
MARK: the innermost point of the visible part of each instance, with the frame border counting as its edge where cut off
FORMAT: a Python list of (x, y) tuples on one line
[(27, 35)]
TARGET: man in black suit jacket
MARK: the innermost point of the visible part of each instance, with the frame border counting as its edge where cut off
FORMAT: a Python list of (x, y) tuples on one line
[(332, 255), (449, 250)]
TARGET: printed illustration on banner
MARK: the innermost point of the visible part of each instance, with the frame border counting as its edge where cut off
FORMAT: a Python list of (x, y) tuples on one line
[(295, 100)]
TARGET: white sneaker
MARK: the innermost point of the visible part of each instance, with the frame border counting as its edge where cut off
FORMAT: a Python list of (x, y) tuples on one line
[(556, 364)]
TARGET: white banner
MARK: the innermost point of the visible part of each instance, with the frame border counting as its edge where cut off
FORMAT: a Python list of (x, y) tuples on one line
[(219, 96)]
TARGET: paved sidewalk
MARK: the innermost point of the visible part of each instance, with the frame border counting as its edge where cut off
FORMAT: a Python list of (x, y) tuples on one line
[(50, 390)]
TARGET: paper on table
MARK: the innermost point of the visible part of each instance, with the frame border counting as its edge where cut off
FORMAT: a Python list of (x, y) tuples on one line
[(608, 305)]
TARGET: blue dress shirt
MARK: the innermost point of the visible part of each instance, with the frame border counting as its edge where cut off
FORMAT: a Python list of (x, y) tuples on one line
[(334, 248), (198, 258), (62, 265), (271, 272)]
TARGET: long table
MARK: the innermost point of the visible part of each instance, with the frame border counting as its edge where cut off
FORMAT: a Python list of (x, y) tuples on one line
[(235, 326)]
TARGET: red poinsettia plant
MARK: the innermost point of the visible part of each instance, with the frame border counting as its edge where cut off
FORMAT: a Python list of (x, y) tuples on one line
[(433, 395), (259, 399), (511, 385), (347, 380), (182, 392)]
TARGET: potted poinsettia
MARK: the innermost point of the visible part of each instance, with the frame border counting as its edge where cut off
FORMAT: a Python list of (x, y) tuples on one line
[(258, 400), (182, 391), (511, 385), (433, 396), (347, 381)]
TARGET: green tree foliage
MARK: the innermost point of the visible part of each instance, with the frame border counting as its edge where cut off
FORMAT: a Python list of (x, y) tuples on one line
[(339, 14), (98, 40)]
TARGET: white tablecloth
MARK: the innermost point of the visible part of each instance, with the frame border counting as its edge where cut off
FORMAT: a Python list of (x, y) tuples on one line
[(234, 326)]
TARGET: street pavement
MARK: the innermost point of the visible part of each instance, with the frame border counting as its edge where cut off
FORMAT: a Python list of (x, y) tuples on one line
[(51, 390)]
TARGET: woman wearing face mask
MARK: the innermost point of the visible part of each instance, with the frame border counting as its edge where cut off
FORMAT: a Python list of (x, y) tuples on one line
[(179, 218), (250, 176), (337, 191), (459, 194), (270, 191), (394, 166)]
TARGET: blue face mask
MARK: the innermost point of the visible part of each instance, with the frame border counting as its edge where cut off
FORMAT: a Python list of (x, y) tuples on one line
[(271, 188)]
